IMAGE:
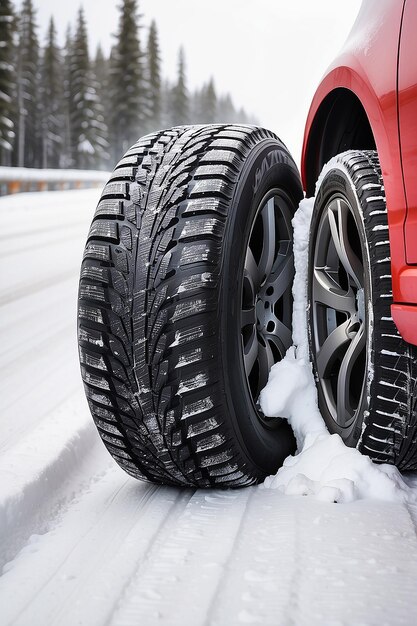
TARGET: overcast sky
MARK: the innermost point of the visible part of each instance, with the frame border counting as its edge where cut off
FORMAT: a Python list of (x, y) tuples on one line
[(269, 54)]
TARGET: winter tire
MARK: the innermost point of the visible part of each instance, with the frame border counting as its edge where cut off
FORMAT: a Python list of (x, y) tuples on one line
[(363, 368), (185, 303)]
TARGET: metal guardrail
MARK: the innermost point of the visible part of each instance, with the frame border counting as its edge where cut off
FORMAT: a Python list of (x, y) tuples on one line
[(21, 179)]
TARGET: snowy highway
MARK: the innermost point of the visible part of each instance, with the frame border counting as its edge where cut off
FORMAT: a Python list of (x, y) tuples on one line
[(81, 543)]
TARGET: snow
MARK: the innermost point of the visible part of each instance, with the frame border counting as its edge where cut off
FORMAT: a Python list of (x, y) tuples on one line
[(323, 466), (85, 146), (290, 391), (330, 471), (51, 175), (82, 543)]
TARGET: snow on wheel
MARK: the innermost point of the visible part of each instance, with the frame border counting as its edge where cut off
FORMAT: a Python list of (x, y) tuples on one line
[(362, 366), (185, 304)]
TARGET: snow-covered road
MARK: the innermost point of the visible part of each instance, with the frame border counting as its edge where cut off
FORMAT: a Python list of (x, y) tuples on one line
[(81, 543)]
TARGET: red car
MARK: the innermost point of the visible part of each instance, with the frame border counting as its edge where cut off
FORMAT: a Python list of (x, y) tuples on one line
[(185, 294), (363, 240)]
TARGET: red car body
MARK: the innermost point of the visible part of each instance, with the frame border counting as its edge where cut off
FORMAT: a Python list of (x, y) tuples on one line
[(366, 100)]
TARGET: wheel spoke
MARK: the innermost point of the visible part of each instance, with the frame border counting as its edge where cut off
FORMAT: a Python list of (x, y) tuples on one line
[(331, 349), (338, 301), (282, 332), (266, 361), (268, 245), (328, 292), (251, 271), (248, 317), (282, 277), (278, 343), (340, 236), (250, 351), (344, 408)]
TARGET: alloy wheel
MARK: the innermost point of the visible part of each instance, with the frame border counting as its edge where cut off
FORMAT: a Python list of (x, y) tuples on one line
[(266, 312), (338, 315)]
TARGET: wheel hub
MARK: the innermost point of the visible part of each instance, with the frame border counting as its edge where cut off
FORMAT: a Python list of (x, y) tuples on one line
[(265, 316)]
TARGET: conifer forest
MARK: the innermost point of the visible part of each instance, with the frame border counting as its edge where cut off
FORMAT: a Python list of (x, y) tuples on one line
[(66, 107)]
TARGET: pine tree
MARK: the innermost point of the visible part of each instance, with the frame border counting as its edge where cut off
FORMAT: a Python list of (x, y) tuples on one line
[(66, 159), (7, 28), (127, 82), (52, 101), (242, 117), (180, 104), (88, 131), (209, 103), (196, 106), (154, 70), (166, 104), (28, 136), (226, 111), (101, 71), (101, 68)]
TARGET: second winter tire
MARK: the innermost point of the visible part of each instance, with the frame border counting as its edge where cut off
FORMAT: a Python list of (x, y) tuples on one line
[(185, 304), (365, 372)]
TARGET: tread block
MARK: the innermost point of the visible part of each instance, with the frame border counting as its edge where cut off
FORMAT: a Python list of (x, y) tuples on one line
[(202, 227), (115, 189), (103, 229), (99, 252), (109, 207)]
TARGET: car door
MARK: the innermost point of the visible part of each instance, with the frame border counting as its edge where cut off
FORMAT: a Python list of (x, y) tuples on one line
[(407, 108)]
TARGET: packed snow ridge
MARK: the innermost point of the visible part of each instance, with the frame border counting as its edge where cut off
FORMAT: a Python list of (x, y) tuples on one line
[(323, 466), (51, 175)]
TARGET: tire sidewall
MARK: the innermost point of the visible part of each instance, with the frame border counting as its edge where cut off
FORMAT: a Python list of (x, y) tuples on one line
[(268, 166)]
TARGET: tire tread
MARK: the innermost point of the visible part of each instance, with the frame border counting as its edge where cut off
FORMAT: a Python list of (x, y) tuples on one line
[(390, 430), (138, 328)]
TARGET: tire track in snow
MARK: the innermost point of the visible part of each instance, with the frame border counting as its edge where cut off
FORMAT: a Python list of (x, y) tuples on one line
[(258, 585), (16, 251), (140, 548), (303, 562), (38, 389), (29, 327), (232, 552), (83, 563), (25, 290), (45, 230), (40, 346), (39, 363), (188, 562)]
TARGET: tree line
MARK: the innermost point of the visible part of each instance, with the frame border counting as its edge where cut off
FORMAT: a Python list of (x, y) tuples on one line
[(61, 108)]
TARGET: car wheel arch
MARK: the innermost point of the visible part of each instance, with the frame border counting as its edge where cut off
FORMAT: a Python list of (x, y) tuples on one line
[(331, 132)]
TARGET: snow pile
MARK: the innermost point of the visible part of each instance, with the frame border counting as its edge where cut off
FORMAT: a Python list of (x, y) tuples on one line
[(332, 472), (324, 466)]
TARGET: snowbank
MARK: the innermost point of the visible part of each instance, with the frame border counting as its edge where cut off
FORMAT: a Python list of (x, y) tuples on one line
[(323, 466)]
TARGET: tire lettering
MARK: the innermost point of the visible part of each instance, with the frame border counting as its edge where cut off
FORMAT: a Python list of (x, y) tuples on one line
[(271, 159)]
